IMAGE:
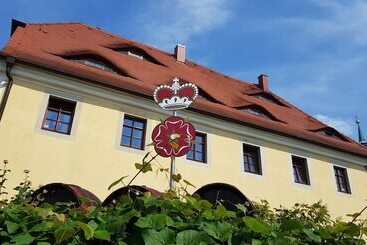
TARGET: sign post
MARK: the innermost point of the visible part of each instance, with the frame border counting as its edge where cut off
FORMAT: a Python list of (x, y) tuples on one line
[(172, 138)]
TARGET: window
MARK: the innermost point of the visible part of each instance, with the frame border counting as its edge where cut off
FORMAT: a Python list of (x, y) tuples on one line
[(133, 132), (341, 177), (251, 159), (59, 115), (330, 132), (198, 150), (300, 170), (258, 111), (268, 97), (96, 62)]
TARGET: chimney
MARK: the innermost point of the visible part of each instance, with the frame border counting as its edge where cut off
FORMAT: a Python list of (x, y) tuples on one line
[(263, 82), (180, 53)]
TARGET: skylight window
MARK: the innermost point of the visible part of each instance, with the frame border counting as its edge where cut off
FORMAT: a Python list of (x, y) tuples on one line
[(137, 53), (134, 54), (258, 111), (268, 98), (330, 132), (205, 96), (95, 62)]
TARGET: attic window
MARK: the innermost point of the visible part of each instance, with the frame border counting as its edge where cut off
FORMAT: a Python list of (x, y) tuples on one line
[(205, 96), (134, 54), (138, 54), (258, 111), (95, 62), (330, 132), (268, 98)]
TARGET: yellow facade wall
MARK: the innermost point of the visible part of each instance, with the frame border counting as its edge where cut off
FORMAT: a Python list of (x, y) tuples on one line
[(93, 159)]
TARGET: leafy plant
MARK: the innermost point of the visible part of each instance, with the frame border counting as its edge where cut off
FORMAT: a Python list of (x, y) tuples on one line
[(173, 218)]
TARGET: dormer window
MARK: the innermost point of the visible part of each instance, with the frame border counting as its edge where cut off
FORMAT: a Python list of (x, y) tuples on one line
[(205, 96), (95, 62), (134, 54), (330, 132), (268, 98), (137, 53), (258, 111)]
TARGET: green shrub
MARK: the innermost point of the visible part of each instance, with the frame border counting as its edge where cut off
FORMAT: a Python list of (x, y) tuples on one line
[(169, 219)]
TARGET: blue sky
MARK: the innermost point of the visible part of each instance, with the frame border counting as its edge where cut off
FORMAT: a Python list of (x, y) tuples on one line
[(314, 51)]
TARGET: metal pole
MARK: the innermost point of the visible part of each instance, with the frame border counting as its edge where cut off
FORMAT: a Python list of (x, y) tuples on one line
[(173, 166)]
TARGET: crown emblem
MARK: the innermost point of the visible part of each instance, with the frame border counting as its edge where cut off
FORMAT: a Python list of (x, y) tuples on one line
[(177, 96)]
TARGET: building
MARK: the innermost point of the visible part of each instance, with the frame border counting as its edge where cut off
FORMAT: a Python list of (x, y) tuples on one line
[(77, 107)]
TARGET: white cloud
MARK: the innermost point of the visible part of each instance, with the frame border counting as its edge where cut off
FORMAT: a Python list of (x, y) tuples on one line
[(346, 126), (172, 22), (345, 20)]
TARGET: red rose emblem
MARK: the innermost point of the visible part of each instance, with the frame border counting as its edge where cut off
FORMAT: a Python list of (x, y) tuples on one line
[(172, 138)]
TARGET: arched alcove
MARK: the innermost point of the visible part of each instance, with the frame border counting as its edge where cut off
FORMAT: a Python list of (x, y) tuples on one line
[(228, 195)]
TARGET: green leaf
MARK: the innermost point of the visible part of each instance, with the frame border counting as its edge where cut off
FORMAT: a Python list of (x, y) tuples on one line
[(63, 233), (88, 230), (256, 225), (147, 167), (153, 237), (154, 221), (43, 243), (242, 208), (256, 242), (218, 230), (190, 237), (312, 235), (353, 230), (23, 239), (291, 224), (221, 212), (117, 181), (145, 157), (11, 226), (102, 235)]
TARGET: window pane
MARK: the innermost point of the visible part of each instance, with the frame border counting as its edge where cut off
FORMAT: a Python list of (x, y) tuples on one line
[(128, 122), (126, 131), (125, 140), (138, 134), (49, 124), (54, 112), (251, 159), (138, 124), (199, 147), (246, 167), (136, 143), (190, 155), (65, 118), (199, 156), (199, 139), (62, 127), (51, 115)]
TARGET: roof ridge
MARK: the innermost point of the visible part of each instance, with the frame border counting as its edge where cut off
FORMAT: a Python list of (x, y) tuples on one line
[(55, 23)]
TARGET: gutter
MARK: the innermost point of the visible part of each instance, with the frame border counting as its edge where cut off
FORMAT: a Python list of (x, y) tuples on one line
[(10, 61)]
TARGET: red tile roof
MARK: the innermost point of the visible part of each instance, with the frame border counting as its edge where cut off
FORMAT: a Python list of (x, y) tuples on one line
[(48, 45)]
